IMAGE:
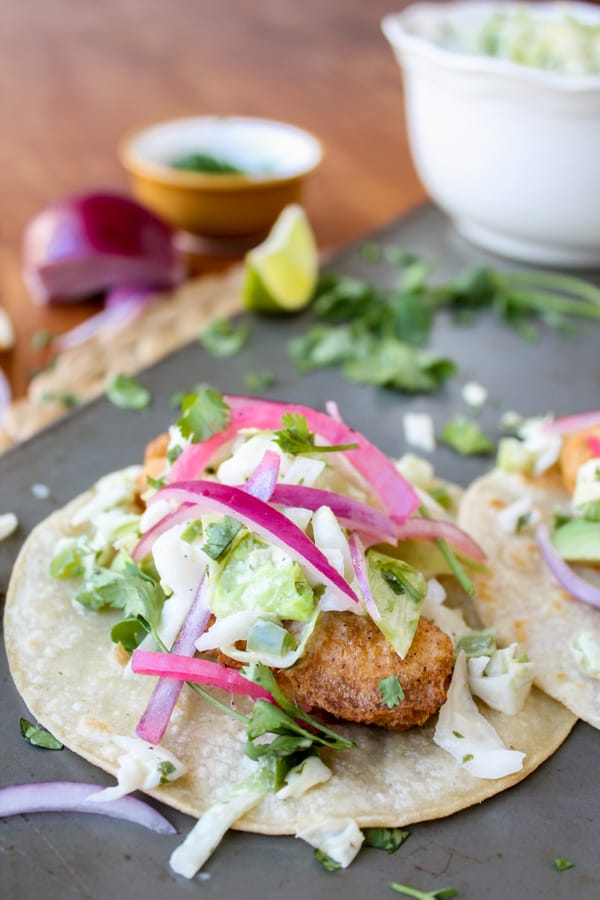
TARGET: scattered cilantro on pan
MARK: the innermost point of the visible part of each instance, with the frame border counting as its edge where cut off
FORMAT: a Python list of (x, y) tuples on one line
[(38, 736), (224, 338), (388, 839), (126, 392), (391, 691), (295, 437), (258, 381), (466, 437), (561, 864), (442, 894), (204, 413)]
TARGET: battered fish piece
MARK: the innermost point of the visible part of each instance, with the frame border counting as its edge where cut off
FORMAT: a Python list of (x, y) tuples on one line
[(347, 657)]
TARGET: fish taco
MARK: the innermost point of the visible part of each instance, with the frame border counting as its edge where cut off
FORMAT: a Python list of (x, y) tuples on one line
[(537, 515), (304, 602)]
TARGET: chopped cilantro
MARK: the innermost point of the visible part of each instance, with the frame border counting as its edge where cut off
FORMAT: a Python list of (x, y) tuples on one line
[(523, 520), (126, 392), (222, 338), (156, 483), (165, 768), (174, 453), (295, 437), (467, 758), (466, 437), (38, 736), (219, 536), (66, 398), (204, 413), (129, 588), (391, 691), (193, 531), (403, 579), (561, 864), (258, 381), (443, 894), (457, 734), (329, 864), (388, 839)]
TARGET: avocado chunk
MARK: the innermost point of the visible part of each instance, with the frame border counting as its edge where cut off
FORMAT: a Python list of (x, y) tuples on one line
[(578, 541)]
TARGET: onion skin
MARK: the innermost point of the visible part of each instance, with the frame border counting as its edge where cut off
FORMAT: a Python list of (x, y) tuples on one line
[(89, 243), (72, 796)]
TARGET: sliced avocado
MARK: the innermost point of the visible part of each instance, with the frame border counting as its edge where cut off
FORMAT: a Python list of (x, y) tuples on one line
[(398, 591), (578, 541), (257, 576)]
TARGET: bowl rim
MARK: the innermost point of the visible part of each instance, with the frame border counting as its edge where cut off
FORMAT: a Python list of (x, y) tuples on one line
[(403, 40), (141, 167)]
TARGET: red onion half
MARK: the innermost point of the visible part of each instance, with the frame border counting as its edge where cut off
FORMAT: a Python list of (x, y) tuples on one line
[(92, 242)]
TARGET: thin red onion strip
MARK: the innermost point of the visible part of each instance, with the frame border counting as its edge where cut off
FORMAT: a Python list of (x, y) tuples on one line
[(352, 513), (259, 517), (593, 443), (577, 422), (564, 574), (199, 671), (157, 714), (440, 530), (359, 564), (73, 796), (396, 494), (153, 723)]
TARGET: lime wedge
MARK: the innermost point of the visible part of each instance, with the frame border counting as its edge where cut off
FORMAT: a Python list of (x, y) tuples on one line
[(281, 273)]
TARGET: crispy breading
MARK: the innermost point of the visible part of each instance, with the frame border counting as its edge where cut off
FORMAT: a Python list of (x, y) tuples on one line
[(575, 451), (347, 657), (155, 460)]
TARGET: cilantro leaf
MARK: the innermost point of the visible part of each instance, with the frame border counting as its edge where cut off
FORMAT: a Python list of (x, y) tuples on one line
[(466, 437), (396, 365), (126, 392), (129, 633), (222, 338), (295, 437), (139, 596), (66, 398), (38, 736), (388, 839), (329, 864), (391, 691), (204, 413), (561, 864), (219, 536)]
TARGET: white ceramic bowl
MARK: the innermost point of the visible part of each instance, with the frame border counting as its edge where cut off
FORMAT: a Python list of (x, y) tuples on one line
[(512, 153)]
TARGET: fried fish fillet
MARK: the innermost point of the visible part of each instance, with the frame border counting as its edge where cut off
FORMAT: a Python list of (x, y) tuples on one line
[(347, 657)]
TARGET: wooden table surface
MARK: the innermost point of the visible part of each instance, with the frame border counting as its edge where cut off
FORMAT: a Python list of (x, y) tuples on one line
[(76, 75)]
